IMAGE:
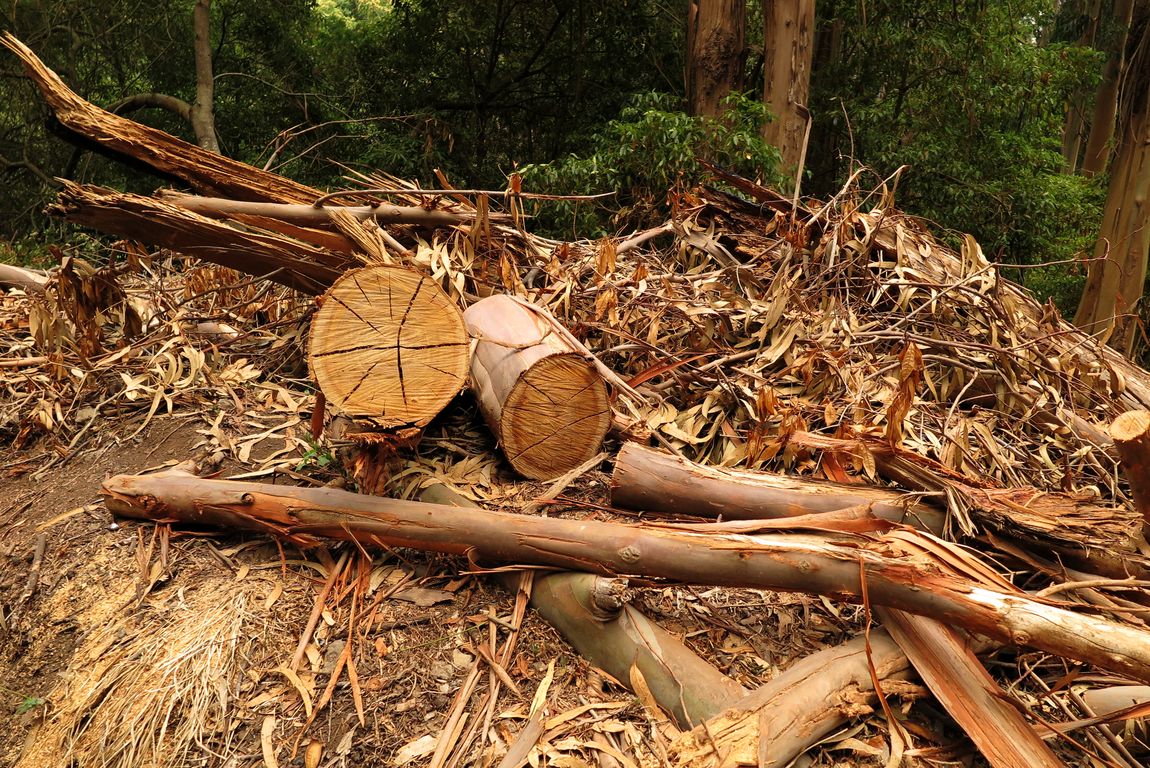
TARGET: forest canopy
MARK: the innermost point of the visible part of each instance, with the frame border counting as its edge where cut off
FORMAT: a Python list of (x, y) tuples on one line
[(964, 106)]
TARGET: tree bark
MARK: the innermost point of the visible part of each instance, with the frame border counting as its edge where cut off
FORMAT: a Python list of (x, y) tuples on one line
[(1131, 433), (901, 570), (1106, 99), (650, 480), (388, 346), (546, 403), (309, 215), (715, 54), (1115, 279), (203, 110), (788, 36)]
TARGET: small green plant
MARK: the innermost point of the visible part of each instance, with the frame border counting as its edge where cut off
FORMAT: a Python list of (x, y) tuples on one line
[(317, 456), (28, 702), (653, 148)]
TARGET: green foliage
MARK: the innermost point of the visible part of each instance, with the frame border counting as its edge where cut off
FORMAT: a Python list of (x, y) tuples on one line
[(652, 148), (968, 96)]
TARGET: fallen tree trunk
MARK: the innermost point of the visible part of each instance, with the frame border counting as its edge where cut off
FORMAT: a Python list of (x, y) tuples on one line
[(902, 570), (288, 261), (388, 346), (206, 171), (656, 481), (809, 700), (546, 403)]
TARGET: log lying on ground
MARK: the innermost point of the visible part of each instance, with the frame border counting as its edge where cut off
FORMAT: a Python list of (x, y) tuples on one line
[(1131, 434), (25, 279), (545, 402), (902, 569), (288, 261), (388, 346), (655, 481), (208, 172), (809, 700)]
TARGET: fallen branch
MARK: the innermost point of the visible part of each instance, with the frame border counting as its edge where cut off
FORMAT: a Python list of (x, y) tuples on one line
[(902, 569), (1131, 434)]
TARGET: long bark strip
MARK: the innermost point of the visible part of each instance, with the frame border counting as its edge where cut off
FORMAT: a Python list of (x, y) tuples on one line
[(900, 571), (963, 686), (208, 172), (309, 215), (656, 481)]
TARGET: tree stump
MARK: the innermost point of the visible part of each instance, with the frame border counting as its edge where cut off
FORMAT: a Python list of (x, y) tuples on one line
[(388, 346), (1131, 435), (545, 402)]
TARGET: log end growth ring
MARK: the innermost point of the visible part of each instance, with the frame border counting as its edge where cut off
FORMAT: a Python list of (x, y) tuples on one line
[(555, 417), (388, 345)]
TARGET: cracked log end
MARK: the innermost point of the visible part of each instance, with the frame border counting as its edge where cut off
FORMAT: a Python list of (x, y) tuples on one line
[(388, 346), (546, 403)]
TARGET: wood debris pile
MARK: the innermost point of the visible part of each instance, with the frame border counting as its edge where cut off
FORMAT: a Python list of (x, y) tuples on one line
[(838, 341)]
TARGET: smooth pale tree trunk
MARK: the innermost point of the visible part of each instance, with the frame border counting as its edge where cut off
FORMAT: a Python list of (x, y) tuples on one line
[(716, 32), (1106, 101), (203, 110), (788, 37), (1118, 271)]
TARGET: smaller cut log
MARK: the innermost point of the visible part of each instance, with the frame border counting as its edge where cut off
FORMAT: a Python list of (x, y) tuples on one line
[(546, 403), (1131, 435), (388, 346), (655, 481)]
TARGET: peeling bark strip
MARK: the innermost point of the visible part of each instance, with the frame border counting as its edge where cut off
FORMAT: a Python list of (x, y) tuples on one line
[(903, 569), (388, 345), (545, 402), (654, 481)]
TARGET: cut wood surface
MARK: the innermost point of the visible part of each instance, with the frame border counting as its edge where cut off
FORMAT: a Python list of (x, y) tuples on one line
[(546, 403), (903, 569), (1131, 434), (388, 345), (655, 481)]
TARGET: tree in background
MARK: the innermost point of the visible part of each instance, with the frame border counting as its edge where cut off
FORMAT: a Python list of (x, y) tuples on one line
[(788, 45), (1117, 274), (716, 53)]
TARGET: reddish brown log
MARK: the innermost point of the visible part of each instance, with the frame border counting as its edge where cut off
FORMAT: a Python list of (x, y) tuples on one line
[(655, 481), (902, 570), (1131, 435)]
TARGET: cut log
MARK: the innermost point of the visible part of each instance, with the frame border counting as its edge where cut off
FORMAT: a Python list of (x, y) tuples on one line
[(654, 481), (1131, 435), (388, 346), (902, 569), (546, 403)]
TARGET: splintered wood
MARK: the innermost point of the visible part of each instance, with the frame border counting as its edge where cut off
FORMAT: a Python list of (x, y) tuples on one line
[(545, 402), (388, 346)]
